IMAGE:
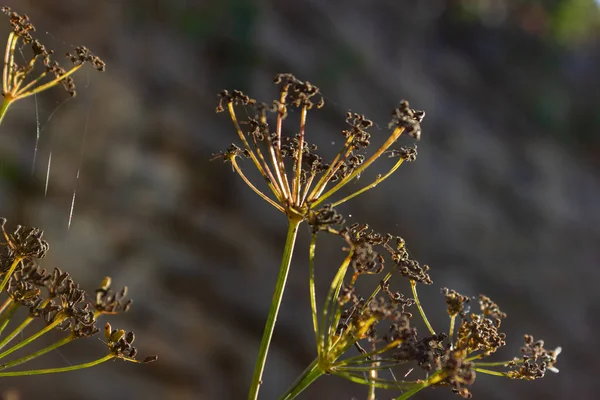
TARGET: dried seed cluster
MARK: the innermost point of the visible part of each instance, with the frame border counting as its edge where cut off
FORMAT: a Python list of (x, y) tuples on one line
[(54, 297), (298, 177), (384, 324), (20, 80)]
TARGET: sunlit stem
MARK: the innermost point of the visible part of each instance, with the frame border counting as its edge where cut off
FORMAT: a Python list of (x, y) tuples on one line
[(434, 378), (296, 186), (38, 353), (33, 337), (313, 295), (391, 140), (378, 382), (261, 194), (4, 306), (281, 111), (310, 374), (279, 171), (377, 181), (332, 297), (269, 174), (364, 367), (332, 169), (490, 372), (372, 376), (9, 273), (7, 315), (276, 152), (240, 133), (387, 277), (475, 357), (23, 93), (8, 62), (62, 369), (497, 363), (413, 286), (353, 359), (6, 102), (31, 84), (307, 187), (451, 331), (19, 77), (286, 260)]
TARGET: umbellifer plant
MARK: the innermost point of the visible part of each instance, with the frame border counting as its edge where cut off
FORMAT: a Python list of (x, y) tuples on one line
[(370, 339), (52, 298)]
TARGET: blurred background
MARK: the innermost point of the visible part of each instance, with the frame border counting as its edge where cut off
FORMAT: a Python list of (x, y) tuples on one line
[(503, 198)]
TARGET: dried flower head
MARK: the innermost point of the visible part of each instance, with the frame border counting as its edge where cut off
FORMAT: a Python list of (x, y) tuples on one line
[(375, 334), (295, 173), (55, 299), (23, 79)]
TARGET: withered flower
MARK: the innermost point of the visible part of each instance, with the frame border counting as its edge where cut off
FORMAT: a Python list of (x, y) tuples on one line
[(297, 176), (23, 80)]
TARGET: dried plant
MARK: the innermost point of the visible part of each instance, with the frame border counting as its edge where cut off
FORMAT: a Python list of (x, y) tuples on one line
[(296, 175), (52, 298), (21, 80), (350, 322), (55, 300), (347, 328)]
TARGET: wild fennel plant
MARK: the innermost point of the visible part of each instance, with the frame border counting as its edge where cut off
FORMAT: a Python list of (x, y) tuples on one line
[(299, 182), (52, 298)]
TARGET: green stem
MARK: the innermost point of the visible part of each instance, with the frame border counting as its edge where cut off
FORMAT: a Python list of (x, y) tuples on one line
[(490, 372), (38, 353), (436, 377), (413, 286), (371, 394), (7, 315), (4, 107), (16, 332), (327, 322), (17, 260), (293, 224), (33, 337), (63, 369), (310, 374), (313, 295), (451, 331), (377, 181), (320, 198), (496, 363)]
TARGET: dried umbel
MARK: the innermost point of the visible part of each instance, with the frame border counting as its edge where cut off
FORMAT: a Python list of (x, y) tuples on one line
[(56, 300), (373, 340), (298, 178), (24, 78)]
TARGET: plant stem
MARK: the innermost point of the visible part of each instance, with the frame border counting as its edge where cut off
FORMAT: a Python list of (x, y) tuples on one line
[(371, 394), (310, 374), (313, 295), (413, 286), (7, 315), (436, 377), (38, 353), (17, 260), (16, 332), (6, 102), (31, 338), (62, 369), (293, 224)]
